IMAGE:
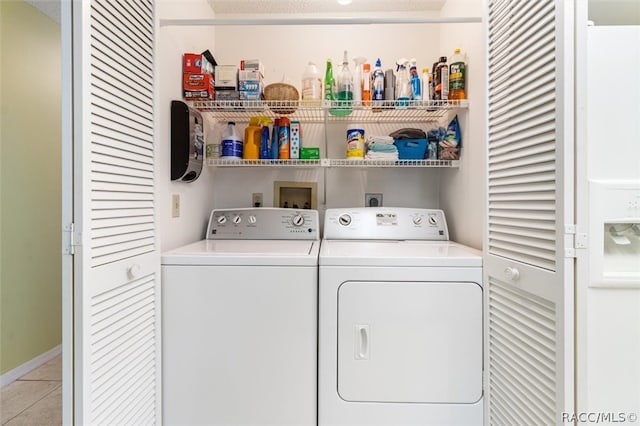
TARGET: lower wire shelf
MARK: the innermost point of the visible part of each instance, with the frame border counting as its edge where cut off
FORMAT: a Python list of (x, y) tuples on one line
[(330, 162)]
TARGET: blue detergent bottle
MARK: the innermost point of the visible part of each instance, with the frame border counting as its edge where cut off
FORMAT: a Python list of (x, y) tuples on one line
[(274, 139), (416, 84), (265, 149)]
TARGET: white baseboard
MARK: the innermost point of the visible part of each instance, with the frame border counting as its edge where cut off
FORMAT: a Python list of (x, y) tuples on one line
[(12, 375)]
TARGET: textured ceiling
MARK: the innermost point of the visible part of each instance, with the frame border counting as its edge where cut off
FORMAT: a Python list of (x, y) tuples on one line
[(232, 7)]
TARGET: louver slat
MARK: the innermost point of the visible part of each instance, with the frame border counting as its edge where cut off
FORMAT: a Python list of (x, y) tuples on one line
[(522, 117), (121, 124), (522, 340), (122, 343)]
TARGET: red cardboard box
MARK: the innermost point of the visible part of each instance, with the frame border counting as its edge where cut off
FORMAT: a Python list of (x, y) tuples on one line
[(196, 63), (197, 86)]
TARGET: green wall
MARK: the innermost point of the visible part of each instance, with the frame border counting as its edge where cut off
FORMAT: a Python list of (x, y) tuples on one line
[(30, 184)]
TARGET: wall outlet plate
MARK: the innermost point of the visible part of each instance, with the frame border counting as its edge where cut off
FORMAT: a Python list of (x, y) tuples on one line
[(175, 205), (373, 199)]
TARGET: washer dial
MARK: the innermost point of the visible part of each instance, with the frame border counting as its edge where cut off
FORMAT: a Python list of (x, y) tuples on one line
[(344, 219)]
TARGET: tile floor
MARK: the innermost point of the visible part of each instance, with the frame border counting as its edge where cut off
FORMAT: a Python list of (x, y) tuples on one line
[(35, 398)]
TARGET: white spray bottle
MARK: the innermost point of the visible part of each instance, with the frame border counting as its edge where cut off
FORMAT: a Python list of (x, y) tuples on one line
[(403, 83), (357, 80)]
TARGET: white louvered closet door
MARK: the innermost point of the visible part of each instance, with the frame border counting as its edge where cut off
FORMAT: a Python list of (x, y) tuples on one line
[(117, 369), (528, 263)]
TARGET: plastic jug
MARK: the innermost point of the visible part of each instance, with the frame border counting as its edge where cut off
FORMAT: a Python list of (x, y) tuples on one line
[(458, 75), (311, 84), (231, 142), (253, 137)]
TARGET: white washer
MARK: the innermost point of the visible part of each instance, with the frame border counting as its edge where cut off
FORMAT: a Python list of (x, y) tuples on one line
[(240, 321), (400, 321)]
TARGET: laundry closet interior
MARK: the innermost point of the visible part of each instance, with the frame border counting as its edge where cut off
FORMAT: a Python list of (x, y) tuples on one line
[(285, 50)]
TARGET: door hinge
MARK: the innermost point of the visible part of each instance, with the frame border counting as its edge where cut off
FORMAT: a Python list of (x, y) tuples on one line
[(71, 239), (574, 240)]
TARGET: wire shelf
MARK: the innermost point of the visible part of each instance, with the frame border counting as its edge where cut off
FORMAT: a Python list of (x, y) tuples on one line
[(332, 162), (340, 162), (319, 111), (232, 162)]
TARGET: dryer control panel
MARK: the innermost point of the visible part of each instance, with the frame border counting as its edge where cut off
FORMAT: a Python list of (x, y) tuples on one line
[(263, 223), (385, 223)]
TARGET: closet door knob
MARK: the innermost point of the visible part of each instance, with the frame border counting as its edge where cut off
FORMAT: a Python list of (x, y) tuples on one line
[(512, 273), (133, 271)]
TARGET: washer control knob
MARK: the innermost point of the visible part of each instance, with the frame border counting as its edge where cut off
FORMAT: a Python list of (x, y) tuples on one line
[(252, 219), (297, 220), (237, 219), (344, 219), (417, 220), (433, 220), (222, 220)]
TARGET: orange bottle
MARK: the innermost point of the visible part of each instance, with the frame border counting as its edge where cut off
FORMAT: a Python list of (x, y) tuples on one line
[(366, 84)]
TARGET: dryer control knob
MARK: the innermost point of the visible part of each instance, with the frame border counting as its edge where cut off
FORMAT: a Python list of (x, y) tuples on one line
[(417, 220), (433, 220), (297, 220), (512, 273), (344, 219), (237, 219), (252, 219), (222, 219)]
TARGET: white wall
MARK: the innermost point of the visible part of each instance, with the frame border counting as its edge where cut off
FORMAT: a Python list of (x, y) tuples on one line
[(463, 191), (196, 198)]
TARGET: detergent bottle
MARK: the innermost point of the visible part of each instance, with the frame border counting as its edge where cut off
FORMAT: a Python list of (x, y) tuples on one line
[(416, 85), (252, 138), (231, 142)]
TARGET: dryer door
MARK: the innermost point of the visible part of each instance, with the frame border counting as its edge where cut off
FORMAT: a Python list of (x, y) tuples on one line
[(417, 342)]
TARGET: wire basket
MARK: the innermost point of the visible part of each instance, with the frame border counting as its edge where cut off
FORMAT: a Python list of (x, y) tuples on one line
[(282, 98)]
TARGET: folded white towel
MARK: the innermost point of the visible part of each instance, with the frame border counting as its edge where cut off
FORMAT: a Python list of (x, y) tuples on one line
[(373, 155), (380, 139)]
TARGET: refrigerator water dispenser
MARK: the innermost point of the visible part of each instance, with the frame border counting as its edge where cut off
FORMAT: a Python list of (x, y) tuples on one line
[(615, 233)]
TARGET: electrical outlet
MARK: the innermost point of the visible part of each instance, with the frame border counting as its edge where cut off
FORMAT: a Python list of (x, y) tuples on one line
[(175, 205), (373, 199), (256, 199)]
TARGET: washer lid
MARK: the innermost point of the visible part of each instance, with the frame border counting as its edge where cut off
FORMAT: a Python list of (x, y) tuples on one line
[(398, 253), (245, 252)]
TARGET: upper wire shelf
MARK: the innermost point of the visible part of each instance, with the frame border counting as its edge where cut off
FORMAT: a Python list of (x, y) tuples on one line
[(319, 111)]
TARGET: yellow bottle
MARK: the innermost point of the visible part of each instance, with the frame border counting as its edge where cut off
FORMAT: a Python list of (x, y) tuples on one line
[(253, 137)]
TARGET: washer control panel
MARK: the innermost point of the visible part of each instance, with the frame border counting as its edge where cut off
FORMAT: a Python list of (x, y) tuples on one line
[(263, 223), (385, 223)]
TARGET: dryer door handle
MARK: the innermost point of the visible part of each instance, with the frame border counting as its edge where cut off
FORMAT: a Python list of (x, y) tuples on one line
[(362, 336)]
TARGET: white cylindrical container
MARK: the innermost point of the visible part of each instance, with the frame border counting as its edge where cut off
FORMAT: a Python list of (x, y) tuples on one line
[(355, 142)]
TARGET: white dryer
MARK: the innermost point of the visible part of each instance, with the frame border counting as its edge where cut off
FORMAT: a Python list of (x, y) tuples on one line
[(239, 328), (400, 321)]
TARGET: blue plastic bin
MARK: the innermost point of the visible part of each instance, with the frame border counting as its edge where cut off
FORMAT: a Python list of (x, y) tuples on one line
[(411, 149)]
